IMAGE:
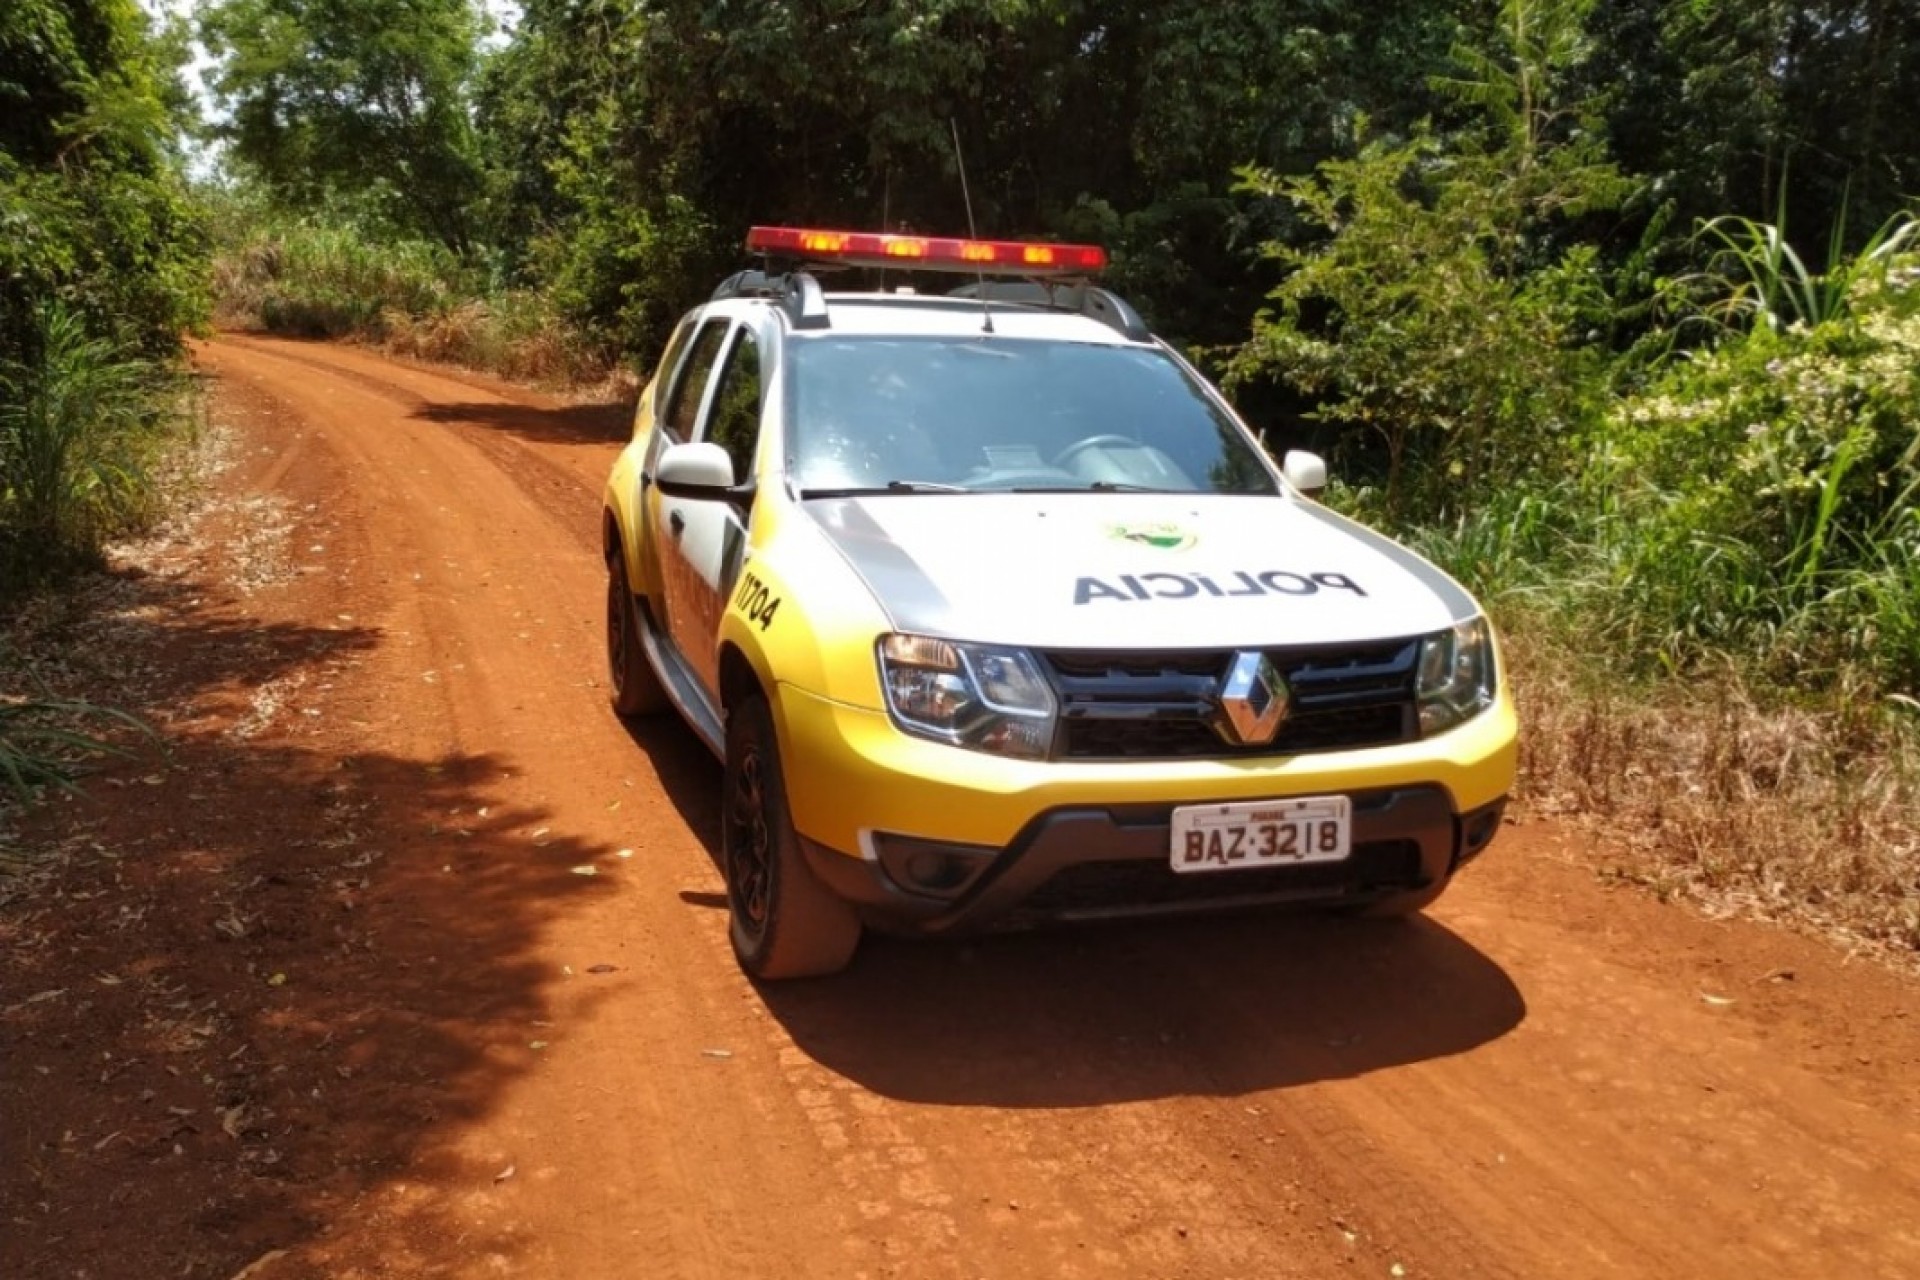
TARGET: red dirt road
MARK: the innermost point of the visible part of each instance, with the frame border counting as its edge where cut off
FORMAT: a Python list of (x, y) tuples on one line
[(368, 1015)]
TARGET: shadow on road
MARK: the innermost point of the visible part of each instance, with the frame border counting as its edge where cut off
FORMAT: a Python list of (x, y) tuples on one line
[(1088, 1015), (251, 981), (562, 424), (688, 773), (1147, 1009)]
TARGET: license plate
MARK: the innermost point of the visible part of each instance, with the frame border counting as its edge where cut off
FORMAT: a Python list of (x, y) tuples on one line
[(1261, 833)]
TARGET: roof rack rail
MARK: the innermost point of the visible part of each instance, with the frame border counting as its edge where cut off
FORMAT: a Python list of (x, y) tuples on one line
[(750, 284), (798, 293), (1089, 300)]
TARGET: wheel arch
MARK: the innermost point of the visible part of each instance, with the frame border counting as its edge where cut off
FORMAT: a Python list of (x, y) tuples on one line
[(612, 541), (740, 679)]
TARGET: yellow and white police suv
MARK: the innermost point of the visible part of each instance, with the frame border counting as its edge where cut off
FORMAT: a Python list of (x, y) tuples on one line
[(994, 610)]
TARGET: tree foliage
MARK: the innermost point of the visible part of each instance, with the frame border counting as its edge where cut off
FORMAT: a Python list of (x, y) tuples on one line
[(360, 104), (92, 209), (638, 140), (1443, 314), (611, 151), (1731, 105), (101, 271)]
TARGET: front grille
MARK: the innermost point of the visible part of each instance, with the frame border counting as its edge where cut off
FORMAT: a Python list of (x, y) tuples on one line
[(1374, 868), (1304, 732), (1211, 664), (1162, 706)]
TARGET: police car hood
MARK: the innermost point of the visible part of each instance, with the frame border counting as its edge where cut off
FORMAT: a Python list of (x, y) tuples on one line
[(1129, 571)]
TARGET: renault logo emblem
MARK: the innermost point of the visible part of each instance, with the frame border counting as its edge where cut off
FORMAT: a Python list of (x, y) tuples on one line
[(1253, 701)]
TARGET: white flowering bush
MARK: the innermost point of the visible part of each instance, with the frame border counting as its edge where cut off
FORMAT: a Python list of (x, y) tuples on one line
[(1760, 497)]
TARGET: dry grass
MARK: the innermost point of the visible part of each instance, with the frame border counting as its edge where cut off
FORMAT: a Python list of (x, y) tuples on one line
[(411, 298), (516, 339), (241, 280), (1697, 790)]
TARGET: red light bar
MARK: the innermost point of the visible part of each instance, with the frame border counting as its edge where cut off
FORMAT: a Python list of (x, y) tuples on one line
[(930, 253)]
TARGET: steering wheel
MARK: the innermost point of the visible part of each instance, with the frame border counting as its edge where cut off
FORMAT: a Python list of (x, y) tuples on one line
[(1079, 447)]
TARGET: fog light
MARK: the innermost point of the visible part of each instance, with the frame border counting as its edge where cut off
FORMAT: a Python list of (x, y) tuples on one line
[(936, 872), (1477, 830), (934, 868)]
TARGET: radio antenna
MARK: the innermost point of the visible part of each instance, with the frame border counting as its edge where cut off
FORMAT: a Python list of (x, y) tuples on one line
[(886, 217), (966, 197)]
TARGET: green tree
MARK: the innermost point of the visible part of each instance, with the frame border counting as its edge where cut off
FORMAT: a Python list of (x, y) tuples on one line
[(1441, 315), (1723, 103), (354, 105), (639, 140), (101, 270), (93, 211)]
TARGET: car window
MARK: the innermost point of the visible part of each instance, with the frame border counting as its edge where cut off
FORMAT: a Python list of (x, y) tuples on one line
[(734, 421), (653, 397), (683, 408), (978, 413)]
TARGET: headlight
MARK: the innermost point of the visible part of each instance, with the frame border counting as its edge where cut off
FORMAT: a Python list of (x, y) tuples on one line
[(971, 695), (1457, 679)]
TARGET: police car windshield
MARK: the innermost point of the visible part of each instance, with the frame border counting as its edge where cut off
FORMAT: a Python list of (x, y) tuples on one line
[(939, 414)]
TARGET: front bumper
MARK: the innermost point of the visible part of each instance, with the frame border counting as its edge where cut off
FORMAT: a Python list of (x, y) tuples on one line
[(1091, 864), (930, 838)]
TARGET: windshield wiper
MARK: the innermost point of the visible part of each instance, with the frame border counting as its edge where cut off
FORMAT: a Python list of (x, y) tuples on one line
[(892, 486), (923, 486), (1097, 486)]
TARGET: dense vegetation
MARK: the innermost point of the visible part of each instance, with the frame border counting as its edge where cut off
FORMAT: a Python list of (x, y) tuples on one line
[(101, 271), (1612, 304)]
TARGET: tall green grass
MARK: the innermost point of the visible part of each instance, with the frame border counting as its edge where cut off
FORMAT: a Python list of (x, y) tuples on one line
[(79, 430), (1761, 277), (1738, 730), (320, 281)]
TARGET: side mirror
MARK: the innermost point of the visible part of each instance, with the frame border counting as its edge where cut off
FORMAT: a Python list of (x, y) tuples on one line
[(701, 472), (695, 469), (1305, 471)]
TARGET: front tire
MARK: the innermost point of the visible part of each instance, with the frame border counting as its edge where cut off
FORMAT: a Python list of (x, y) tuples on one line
[(783, 922), (634, 688)]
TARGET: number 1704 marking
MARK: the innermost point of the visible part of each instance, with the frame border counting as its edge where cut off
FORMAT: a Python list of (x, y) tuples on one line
[(754, 600)]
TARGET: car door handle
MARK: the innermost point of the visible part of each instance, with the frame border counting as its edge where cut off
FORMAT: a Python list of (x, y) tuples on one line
[(677, 522)]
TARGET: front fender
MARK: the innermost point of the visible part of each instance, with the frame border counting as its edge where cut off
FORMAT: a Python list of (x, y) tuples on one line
[(799, 616)]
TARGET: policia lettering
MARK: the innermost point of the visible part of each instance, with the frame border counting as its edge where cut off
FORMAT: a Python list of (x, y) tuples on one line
[(1129, 587)]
